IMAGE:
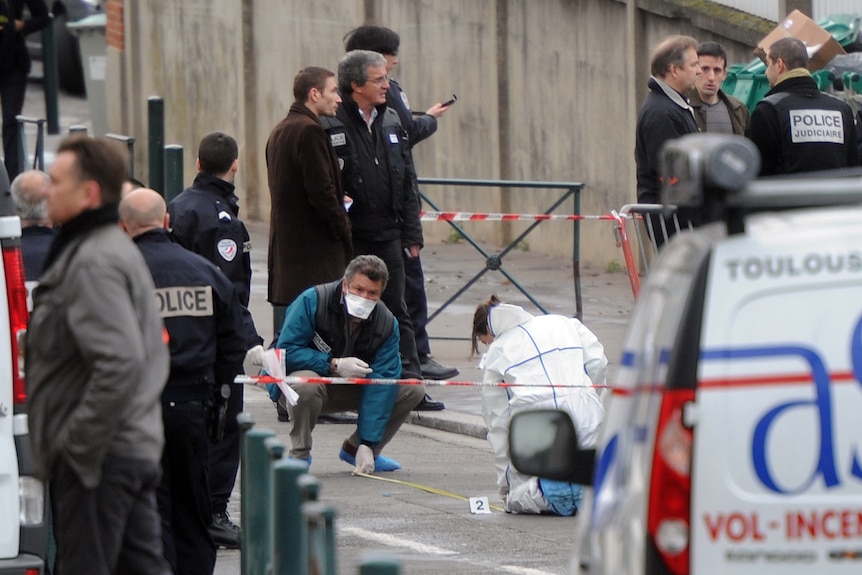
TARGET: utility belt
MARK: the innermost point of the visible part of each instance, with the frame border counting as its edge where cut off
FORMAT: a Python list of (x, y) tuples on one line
[(176, 392)]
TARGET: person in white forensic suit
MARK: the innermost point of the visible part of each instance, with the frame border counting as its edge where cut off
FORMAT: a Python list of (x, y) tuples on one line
[(533, 352)]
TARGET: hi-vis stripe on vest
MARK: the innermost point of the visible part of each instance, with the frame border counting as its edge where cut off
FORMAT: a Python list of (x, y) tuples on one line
[(185, 301)]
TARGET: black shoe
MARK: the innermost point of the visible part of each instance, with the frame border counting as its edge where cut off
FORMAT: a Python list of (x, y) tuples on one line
[(340, 417), (283, 415), (225, 532), (433, 370), (428, 404)]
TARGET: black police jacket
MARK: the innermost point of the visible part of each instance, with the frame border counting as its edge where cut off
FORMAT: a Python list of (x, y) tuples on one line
[(798, 128), (202, 314), (205, 220)]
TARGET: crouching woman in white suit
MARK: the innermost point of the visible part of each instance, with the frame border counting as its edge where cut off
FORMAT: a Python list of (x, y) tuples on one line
[(533, 352)]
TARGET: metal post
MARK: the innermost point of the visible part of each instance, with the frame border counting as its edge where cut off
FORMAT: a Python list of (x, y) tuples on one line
[(50, 78), (290, 537), (77, 130), (378, 563), (173, 171), (39, 152), (320, 520), (255, 504), (576, 256), (309, 487), (156, 118), (130, 146)]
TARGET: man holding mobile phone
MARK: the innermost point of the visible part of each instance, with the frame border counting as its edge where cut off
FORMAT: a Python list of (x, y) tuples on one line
[(419, 127)]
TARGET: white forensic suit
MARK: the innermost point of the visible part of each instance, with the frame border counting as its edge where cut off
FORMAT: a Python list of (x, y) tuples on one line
[(535, 350)]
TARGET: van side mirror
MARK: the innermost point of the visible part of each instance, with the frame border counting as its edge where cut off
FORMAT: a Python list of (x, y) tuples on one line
[(544, 443)]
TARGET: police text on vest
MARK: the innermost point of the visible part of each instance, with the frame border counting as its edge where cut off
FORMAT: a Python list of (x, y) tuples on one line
[(816, 126)]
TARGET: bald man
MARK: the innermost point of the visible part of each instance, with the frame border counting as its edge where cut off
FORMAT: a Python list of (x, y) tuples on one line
[(201, 311)]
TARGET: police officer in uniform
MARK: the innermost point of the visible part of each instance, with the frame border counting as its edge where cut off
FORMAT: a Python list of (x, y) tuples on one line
[(204, 219), (796, 127), (202, 316)]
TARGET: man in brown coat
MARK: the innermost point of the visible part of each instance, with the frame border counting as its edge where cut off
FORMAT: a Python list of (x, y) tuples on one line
[(309, 233)]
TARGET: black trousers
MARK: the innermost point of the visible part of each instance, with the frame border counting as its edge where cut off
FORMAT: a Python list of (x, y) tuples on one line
[(184, 493), (224, 455), (393, 296), (417, 303), (13, 84), (112, 528)]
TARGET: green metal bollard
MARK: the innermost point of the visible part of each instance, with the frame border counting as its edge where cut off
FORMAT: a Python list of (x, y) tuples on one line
[(290, 536), (322, 553), (156, 120), (255, 504), (379, 563), (50, 78), (173, 171), (309, 487)]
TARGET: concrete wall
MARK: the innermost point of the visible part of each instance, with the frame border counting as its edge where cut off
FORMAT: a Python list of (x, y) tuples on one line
[(547, 90)]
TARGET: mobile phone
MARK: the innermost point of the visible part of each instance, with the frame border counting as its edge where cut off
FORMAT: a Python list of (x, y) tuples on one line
[(450, 102)]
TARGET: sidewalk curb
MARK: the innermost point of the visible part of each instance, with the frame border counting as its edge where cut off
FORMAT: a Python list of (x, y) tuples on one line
[(454, 422)]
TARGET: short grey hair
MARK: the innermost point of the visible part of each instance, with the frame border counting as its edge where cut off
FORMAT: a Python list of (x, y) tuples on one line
[(353, 67), (370, 266), (26, 191)]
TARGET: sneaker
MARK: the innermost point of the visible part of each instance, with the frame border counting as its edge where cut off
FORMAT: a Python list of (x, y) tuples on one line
[(348, 455), (428, 404), (225, 532), (433, 370)]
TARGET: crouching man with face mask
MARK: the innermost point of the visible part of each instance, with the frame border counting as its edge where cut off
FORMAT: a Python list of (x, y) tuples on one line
[(342, 329)]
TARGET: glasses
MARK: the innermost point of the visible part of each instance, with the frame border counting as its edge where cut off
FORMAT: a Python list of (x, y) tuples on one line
[(379, 81)]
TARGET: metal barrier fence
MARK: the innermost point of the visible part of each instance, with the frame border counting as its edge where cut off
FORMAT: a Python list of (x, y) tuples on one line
[(286, 530), (494, 262), (642, 218)]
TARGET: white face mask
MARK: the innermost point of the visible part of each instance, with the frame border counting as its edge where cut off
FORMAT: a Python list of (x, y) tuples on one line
[(357, 306)]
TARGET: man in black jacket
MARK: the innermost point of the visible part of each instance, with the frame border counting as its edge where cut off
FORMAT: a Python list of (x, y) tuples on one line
[(202, 315), (14, 67), (419, 127), (368, 136), (796, 127), (205, 220), (665, 114)]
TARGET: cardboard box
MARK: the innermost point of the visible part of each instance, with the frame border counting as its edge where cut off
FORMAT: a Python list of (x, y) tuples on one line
[(822, 47)]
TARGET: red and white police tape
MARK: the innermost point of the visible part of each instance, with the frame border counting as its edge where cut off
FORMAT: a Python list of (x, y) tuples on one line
[(267, 379), (496, 217)]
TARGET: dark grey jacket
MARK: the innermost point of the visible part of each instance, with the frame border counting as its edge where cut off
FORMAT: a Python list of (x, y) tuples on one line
[(96, 358)]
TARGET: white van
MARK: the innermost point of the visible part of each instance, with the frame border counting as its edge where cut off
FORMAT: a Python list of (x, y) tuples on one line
[(23, 531), (732, 441)]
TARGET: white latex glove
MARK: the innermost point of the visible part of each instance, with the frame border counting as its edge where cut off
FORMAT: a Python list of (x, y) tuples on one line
[(253, 362), (364, 460), (351, 367)]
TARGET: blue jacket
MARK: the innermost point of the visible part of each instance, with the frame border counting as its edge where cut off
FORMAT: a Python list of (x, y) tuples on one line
[(302, 351)]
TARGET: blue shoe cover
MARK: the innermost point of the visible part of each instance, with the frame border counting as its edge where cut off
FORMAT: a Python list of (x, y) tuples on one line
[(306, 461), (381, 463)]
